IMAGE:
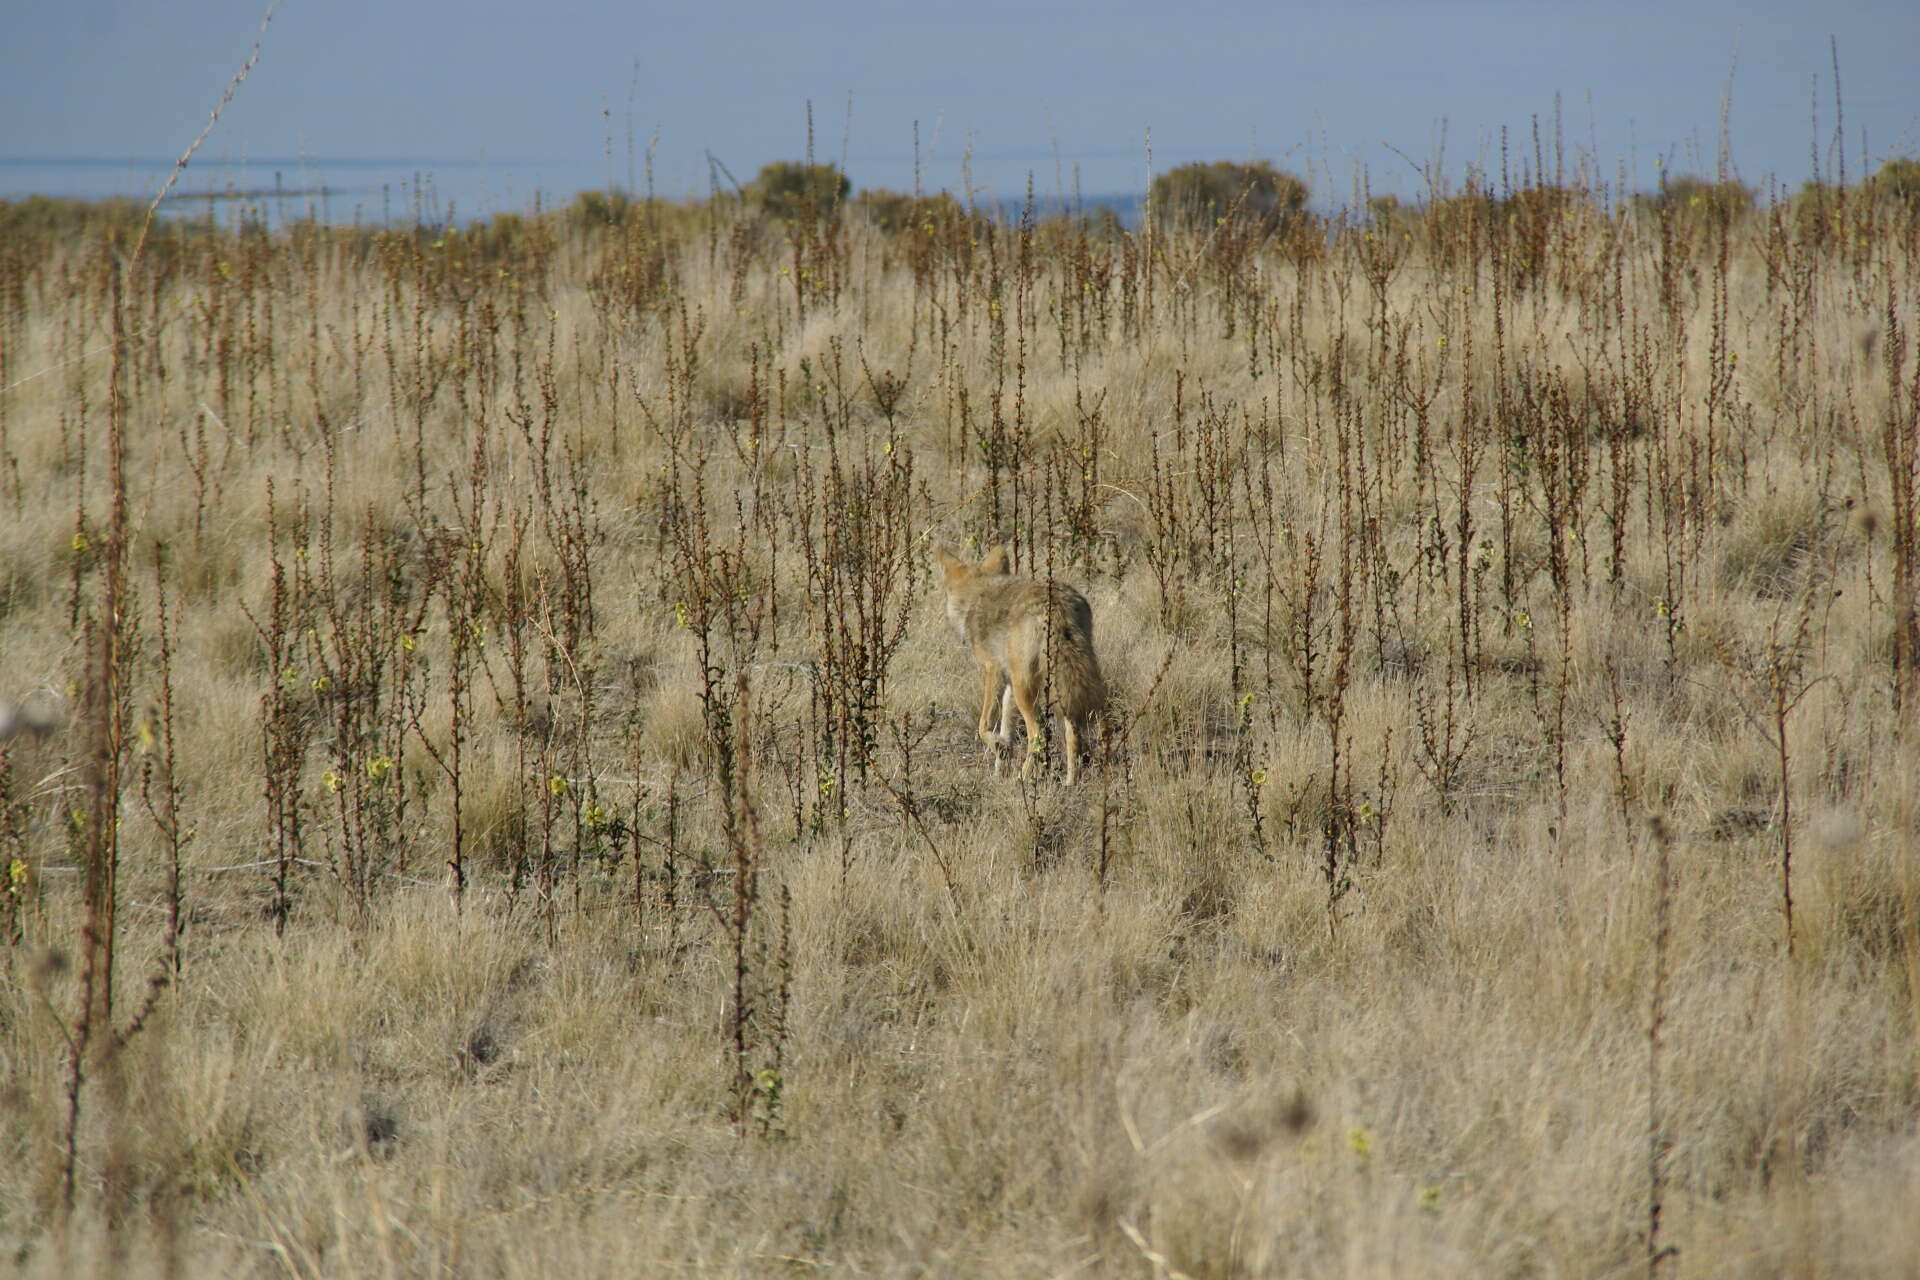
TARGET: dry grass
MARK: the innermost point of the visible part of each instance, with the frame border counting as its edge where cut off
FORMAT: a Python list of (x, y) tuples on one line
[(517, 772)]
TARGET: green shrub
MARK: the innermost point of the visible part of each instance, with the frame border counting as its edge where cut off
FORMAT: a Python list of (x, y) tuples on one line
[(785, 189), (1538, 206), (1389, 215), (601, 207), (57, 217), (1385, 212), (1826, 212), (1688, 196), (1201, 195), (896, 211), (1815, 210), (1097, 221), (1447, 216), (1898, 181)]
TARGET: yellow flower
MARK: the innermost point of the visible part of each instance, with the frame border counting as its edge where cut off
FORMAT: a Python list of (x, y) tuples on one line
[(332, 782), (1360, 1141), (557, 785)]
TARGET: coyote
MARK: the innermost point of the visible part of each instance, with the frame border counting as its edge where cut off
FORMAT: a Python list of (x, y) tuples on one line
[(1034, 641)]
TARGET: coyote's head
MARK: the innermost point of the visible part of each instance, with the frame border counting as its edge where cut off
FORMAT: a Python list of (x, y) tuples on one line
[(958, 575)]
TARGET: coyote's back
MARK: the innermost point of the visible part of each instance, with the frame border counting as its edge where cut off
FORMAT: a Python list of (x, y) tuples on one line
[(1034, 643)]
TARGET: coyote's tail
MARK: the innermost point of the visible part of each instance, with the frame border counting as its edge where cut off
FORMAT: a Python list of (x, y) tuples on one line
[(1079, 690)]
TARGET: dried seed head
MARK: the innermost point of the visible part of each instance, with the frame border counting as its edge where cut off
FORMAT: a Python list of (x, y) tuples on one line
[(1297, 1116), (49, 964)]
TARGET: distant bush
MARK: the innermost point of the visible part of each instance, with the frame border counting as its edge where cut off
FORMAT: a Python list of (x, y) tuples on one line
[(1816, 210), (1688, 196), (52, 217), (503, 238), (1539, 205), (35, 225), (1467, 214), (896, 211), (615, 208), (1899, 181), (785, 189), (1200, 195), (601, 206), (1097, 221), (1475, 215), (1390, 217), (1385, 211), (1826, 212)]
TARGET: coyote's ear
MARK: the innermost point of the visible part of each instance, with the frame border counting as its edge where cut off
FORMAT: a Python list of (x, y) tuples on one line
[(950, 564), (997, 559)]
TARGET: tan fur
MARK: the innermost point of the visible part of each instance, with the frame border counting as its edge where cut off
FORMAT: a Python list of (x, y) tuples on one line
[(1022, 632)]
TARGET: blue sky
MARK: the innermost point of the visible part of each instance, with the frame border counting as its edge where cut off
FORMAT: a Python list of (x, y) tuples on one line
[(515, 96)]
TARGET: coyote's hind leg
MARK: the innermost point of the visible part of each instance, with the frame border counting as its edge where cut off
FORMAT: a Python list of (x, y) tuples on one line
[(1024, 695), (1004, 734), (992, 738)]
